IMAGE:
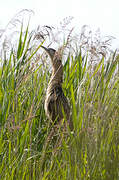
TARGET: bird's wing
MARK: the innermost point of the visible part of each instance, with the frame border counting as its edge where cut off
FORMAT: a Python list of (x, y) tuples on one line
[(57, 103)]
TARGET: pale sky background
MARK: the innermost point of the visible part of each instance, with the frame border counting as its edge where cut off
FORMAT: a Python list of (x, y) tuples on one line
[(101, 14)]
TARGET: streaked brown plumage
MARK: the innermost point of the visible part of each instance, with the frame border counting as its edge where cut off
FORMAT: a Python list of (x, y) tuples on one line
[(56, 104)]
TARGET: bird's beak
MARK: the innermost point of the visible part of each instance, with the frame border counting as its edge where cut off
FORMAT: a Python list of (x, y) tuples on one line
[(45, 48)]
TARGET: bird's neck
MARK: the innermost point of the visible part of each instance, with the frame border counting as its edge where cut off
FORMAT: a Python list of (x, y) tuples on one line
[(57, 74), (56, 79)]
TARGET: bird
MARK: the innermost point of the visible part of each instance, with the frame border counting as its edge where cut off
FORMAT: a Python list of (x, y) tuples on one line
[(56, 104)]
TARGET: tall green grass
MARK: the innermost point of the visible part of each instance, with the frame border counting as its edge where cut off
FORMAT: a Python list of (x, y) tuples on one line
[(91, 151)]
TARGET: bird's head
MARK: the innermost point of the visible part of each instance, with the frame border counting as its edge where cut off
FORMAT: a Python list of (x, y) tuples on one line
[(50, 51), (56, 57)]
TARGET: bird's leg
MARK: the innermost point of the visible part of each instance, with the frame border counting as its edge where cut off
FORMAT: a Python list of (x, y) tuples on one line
[(62, 128), (42, 159)]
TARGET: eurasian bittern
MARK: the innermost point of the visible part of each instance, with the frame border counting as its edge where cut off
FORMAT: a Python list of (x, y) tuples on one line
[(56, 103)]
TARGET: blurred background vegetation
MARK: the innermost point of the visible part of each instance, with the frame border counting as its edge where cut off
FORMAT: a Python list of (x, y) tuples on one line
[(91, 83)]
